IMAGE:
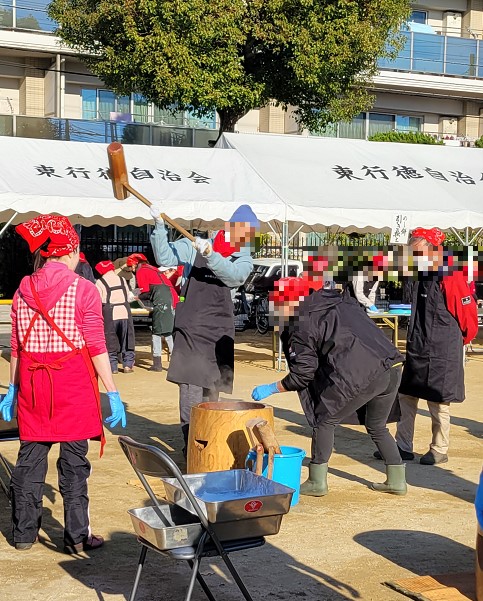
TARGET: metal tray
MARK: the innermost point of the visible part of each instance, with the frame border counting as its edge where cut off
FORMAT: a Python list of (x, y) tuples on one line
[(231, 495), (166, 527)]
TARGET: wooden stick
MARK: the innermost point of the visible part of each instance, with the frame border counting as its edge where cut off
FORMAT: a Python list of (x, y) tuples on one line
[(259, 464), (271, 461), (121, 187), (252, 435), (267, 436), (171, 222)]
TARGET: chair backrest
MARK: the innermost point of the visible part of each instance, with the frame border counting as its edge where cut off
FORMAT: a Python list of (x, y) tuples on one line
[(148, 460)]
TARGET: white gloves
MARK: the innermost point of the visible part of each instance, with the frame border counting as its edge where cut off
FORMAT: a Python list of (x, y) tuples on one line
[(203, 246), (156, 211)]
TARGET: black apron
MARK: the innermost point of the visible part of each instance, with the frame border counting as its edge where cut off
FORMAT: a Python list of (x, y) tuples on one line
[(204, 332), (434, 368), (112, 341)]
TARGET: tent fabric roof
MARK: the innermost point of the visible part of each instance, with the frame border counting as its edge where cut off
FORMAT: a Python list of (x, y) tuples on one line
[(361, 185), (200, 187)]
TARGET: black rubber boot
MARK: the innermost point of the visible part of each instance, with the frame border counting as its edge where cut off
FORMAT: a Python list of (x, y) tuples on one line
[(395, 483), (157, 365), (316, 485)]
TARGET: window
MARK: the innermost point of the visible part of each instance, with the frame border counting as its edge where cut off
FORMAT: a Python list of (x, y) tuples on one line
[(99, 104), (380, 123), (406, 123), (353, 129), (419, 16)]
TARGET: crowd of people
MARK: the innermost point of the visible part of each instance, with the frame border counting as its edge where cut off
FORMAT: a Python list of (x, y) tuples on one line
[(67, 329)]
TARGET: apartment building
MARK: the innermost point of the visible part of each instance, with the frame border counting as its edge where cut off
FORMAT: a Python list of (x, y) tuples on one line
[(435, 85)]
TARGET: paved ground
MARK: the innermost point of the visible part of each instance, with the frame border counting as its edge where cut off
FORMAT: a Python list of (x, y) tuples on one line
[(338, 548)]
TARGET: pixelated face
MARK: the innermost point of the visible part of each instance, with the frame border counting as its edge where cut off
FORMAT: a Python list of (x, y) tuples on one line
[(426, 257), (239, 234)]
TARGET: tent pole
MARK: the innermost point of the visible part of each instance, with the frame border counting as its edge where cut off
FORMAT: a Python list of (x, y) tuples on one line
[(457, 234), (4, 228), (476, 236), (285, 243)]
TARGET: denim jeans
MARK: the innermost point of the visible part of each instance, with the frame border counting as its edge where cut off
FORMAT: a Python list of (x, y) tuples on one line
[(158, 344)]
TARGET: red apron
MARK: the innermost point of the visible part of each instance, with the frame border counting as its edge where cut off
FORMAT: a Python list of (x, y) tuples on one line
[(58, 398)]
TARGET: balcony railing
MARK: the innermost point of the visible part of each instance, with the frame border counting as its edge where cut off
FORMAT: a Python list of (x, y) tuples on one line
[(438, 54), (79, 130)]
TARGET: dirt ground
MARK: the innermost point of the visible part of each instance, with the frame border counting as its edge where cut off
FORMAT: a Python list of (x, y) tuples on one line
[(341, 547)]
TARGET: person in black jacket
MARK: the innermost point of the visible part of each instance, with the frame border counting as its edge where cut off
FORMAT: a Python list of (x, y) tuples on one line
[(339, 361)]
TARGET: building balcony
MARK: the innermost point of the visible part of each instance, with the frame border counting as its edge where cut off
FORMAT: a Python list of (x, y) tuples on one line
[(105, 132), (438, 55)]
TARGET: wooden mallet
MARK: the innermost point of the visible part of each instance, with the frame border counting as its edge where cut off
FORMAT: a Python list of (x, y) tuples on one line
[(122, 188)]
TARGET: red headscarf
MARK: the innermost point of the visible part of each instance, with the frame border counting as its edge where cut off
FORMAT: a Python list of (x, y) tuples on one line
[(290, 289), (136, 258), (55, 229), (104, 267), (434, 236)]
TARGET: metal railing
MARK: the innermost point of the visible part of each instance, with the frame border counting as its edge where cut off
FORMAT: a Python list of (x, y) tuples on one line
[(80, 130), (439, 55)]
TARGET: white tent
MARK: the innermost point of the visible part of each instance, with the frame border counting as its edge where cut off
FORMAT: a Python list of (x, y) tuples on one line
[(196, 186), (360, 185)]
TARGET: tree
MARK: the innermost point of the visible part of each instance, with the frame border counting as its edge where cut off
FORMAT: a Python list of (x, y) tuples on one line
[(235, 55)]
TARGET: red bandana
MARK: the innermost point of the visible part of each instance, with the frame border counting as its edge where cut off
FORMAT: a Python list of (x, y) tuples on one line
[(434, 236), (220, 245), (55, 229), (136, 258), (104, 267), (290, 289)]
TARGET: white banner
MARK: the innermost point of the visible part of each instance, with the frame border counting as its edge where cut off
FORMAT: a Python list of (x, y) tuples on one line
[(355, 184), (198, 186)]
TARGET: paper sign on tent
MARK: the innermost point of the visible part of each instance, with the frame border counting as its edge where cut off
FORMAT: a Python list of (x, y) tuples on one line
[(400, 229)]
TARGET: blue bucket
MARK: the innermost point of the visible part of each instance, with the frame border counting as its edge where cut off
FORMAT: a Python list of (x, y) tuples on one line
[(287, 468)]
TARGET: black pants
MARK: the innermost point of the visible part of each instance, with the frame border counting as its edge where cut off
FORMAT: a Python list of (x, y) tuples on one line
[(27, 485), (121, 328), (379, 398)]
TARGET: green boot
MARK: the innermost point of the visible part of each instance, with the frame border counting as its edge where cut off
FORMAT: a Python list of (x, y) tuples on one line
[(316, 485), (395, 480)]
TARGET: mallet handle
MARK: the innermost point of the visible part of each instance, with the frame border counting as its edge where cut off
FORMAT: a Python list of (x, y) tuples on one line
[(171, 222)]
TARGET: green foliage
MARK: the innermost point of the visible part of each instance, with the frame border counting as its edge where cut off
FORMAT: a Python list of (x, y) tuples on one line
[(405, 137), (479, 142), (235, 55)]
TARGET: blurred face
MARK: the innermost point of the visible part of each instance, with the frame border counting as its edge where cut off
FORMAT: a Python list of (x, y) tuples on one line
[(426, 257), (239, 234), (169, 272)]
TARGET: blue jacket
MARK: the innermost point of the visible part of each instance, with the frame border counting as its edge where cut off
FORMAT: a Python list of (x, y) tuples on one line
[(232, 271)]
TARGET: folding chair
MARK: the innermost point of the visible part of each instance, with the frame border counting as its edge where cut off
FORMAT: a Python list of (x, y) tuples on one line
[(8, 431), (148, 460)]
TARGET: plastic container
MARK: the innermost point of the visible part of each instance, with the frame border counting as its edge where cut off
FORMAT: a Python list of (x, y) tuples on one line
[(287, 468)]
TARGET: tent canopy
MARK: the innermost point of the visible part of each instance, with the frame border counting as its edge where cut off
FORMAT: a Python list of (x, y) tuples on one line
[(200, 187), (361, 185), (319, 182)]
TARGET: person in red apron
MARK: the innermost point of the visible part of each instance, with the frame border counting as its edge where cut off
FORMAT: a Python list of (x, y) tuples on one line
[(58, 350)]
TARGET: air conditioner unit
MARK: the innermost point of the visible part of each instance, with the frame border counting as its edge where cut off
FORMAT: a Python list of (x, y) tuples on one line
[(448, 126), (452, 23)]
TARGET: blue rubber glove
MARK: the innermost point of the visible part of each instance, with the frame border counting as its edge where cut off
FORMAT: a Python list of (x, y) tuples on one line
[(7, 406), (479, 502), (373, 309), (265, 390), (118, 411)]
